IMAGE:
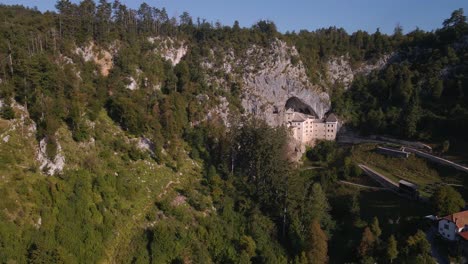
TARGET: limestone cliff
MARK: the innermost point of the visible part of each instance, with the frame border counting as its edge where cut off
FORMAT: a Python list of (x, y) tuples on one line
[(100, 56), (170, 49), (269, 77), (340, 70)]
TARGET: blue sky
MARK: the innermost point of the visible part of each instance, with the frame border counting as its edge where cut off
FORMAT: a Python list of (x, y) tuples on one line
[(305, 14)]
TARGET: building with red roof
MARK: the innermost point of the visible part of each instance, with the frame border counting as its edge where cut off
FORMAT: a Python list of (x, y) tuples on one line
[(452, 225)]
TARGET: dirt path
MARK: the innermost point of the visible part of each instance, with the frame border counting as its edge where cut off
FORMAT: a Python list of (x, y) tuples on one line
[(167, 188)]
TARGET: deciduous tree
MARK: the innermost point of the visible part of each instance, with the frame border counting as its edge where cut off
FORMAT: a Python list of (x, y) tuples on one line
[(446, 200)]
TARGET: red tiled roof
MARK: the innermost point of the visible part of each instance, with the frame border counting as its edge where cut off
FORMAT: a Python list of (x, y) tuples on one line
[(460, 219), (464, 235)]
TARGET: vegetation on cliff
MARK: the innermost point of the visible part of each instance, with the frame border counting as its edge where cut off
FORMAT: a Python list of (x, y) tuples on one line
[(150, 176)]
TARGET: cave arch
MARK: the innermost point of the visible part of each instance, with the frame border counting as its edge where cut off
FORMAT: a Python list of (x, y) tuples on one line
[(299, 106)]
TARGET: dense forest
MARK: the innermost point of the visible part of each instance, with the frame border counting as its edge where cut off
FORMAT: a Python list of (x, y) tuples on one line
[(237, 197), (420, 94)]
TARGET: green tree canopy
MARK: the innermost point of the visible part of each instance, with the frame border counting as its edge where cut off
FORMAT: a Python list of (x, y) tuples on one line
[(446, 200)]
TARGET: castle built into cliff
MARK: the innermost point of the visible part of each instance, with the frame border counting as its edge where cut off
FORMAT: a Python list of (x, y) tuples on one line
[(307, 129)]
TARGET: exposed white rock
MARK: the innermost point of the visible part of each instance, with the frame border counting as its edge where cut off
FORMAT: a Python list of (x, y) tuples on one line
[(132, 85), (339, 69), (38, 224), (145, 144), (50, 167), (21, 124), (268, 79), (170, 49), (221, 110), (88, 144), (101, 57), (66, 60), (157, 87)]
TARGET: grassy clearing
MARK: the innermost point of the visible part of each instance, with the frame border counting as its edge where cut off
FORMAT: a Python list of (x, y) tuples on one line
[(413, 169), (365, 180)]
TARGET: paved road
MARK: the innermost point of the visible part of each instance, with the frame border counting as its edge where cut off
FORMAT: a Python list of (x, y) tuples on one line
[(384, 181), (437, 159), (431, 235), (408, 146)]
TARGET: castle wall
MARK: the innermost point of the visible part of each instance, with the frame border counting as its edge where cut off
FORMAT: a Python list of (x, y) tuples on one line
[(307, 129)]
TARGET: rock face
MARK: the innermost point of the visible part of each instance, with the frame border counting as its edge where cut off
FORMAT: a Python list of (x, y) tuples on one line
[(170, 49), (51, 167), (101, 57), (132, 85), (221, 111), (339, 69), (269, 78)]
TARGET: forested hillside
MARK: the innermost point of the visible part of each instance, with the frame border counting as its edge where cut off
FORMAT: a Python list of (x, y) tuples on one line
[(421, 92), (122, 141)]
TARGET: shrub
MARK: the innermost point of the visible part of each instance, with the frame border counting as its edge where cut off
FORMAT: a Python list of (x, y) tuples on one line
[(7, 112)]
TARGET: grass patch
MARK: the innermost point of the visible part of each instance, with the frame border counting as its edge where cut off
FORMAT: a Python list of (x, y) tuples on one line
[(419, 171), (365, 180)]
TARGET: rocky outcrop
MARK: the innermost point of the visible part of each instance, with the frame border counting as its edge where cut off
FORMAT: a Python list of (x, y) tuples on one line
[(22, 124), (132, 84), (340, 70), (101, 57), (48, 165), (170, 49), (20, 132), (221, 111), (145, 144), (268, 78)]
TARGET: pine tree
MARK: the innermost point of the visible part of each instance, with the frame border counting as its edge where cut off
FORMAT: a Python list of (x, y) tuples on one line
[(367, 242), (317, 244), (392, 250), (375, 227)]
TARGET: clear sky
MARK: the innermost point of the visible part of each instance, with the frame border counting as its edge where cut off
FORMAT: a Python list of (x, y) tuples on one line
[(305, 14)]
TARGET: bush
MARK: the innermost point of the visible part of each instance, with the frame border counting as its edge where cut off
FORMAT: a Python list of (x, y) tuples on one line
[(7, 112)]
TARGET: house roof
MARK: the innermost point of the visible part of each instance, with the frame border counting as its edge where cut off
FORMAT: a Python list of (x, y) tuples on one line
[(464, 235), (460, 219), (332, 118)]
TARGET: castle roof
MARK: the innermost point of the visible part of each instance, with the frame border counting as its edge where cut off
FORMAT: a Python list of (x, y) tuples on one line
[(331, 118), (298, 117)]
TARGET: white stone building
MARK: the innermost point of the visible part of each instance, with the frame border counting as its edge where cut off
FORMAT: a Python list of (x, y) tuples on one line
[(307, 129)]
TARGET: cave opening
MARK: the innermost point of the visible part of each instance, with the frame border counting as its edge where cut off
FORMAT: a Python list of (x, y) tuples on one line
[(299, 106)]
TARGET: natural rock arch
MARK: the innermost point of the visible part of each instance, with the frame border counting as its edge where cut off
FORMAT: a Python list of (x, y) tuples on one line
[(299, 106)]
